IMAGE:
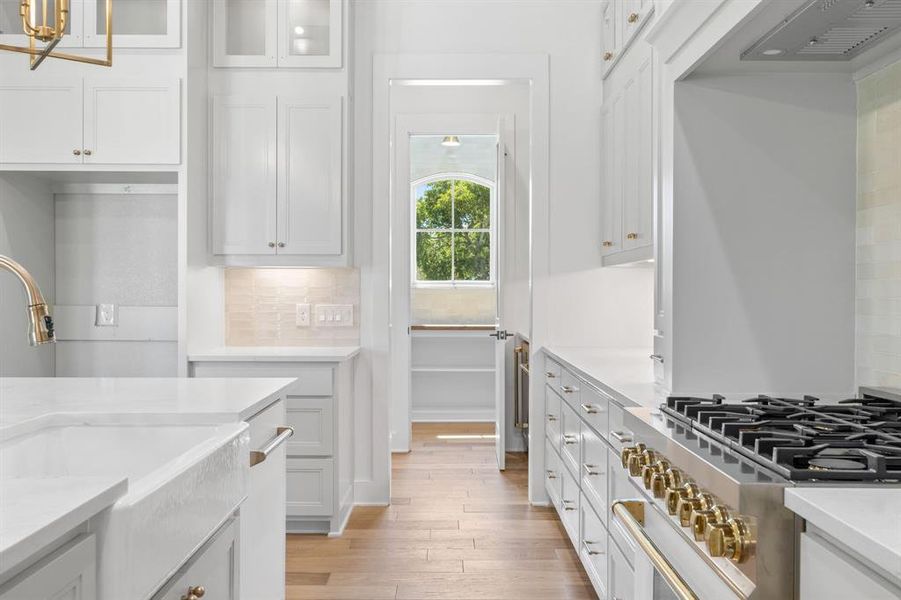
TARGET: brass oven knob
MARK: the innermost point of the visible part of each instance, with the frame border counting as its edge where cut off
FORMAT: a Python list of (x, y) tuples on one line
[(687, 506), (627, 453), (731, 540), (648, 471), (638, 461), (674, 496), (701, 520), (662, 483)]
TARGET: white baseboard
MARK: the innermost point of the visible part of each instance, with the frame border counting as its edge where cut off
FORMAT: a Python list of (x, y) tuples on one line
[(453, 415)]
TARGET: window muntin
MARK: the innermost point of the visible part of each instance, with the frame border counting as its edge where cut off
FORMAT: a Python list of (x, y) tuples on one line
[(453, 224)]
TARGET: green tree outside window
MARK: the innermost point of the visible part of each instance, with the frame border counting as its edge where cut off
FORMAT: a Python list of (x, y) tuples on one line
[(453, 230)]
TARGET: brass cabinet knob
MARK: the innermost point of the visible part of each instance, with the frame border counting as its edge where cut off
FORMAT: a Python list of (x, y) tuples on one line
[(648, 471), (76, 152), (732, 540), (194, 593), (281, 244), (632, 236), (627, 453), (607, 244), (633, 17), (608, 55), (88, 153), (272, 244)]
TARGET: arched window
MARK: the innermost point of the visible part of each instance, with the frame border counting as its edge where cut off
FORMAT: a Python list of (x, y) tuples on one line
[(453, 230)]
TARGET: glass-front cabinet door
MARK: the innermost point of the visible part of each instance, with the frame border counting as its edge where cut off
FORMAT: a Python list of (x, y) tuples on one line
[(136, 23), (244, 33), (309, 33), (11, 31)]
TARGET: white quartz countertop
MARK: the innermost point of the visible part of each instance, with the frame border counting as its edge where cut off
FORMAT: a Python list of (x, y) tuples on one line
[(865, 519), (24, 400), (275, 354), (36, 511), (626, 374)]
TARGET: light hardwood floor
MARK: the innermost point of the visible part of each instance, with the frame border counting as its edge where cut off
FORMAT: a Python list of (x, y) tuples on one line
[(457, 528)]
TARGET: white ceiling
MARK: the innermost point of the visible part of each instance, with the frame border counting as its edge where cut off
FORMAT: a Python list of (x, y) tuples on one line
[(476, 155)]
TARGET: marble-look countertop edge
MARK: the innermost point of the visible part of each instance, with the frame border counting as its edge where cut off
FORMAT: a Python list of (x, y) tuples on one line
[(325, 354), (105, 493), (815, 505)]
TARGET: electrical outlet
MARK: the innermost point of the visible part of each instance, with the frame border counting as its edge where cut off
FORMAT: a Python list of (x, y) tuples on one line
[(302, 315), (106, 315), (334, 315)]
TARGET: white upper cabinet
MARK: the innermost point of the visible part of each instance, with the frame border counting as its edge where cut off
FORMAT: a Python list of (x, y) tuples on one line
[(627, 204), (243, 186), (41, 123), (95, 121), (136, 23), (309, 182), (131, 121), (277, 33), (612, 35), (621, 20), (276, 185)]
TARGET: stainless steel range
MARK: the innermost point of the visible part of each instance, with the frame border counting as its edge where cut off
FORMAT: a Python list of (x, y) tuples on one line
[(712, 475)]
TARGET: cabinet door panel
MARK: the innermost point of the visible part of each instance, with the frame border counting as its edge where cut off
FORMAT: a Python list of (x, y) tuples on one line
[(639, 197), (11, 24), (309, 33), (41, 123), (313, 423), (614, 133), (631, 100), (309, 195), (245, 33), (310, 485), (67, 573), (243, 170), (213, 567), (136, 23), (132, 121)]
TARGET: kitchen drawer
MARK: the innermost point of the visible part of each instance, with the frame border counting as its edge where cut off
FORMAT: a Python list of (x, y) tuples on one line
[(570, 389), (622, 576), (569, 506), (313, 423), (619, 435), (553, 419), (311, 380), (553, 478), (593, 549), (552, 372), (310, 484), (595, 410), (594, 471), (571, 438), (620, 488)]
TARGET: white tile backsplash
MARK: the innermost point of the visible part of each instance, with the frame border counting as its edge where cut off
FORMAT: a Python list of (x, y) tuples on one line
[(260, 306), (879, 228)]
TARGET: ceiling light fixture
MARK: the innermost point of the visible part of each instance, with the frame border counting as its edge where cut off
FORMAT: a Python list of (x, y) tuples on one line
[(45, 28), (450, 141), (772, 52)]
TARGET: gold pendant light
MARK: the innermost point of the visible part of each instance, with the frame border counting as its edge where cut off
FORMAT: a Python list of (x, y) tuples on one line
[(45, 29)]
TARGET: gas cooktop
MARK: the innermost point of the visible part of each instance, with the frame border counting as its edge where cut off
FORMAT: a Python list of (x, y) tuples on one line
[(803, 439)]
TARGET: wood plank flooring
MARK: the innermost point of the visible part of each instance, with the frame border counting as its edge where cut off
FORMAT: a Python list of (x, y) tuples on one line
[(457, 529)]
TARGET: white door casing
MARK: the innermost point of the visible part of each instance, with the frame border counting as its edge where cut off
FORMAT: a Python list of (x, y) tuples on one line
[(501, 346)]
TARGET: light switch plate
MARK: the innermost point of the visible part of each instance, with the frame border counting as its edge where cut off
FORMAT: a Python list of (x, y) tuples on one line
[(334, 315), (302, 315), (107, 315)]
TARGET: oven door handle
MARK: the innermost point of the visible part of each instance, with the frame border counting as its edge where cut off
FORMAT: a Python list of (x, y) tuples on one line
[(631, 514)]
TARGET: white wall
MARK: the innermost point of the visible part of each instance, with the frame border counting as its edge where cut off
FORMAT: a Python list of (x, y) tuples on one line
[(26, 235), (763, 222), (573, 254)]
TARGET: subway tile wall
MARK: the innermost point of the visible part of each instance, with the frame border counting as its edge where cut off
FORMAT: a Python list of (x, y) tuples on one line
[(879, 228), (260, 306)]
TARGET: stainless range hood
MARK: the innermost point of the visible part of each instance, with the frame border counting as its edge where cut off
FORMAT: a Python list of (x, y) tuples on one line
[(828, 30)]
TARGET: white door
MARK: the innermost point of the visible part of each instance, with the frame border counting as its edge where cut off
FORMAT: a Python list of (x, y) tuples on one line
[(309, 176), (41, 123), (132, 121), (243, 181), (500, 348)]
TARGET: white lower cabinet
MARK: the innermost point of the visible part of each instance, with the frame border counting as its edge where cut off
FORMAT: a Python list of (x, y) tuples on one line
[(68, 573), (552, 475), (318, 473), (622, 577), (593, 547), (212, 568), (828, 573)]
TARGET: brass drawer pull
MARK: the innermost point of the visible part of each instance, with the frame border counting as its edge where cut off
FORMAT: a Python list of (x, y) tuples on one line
[(587, 545), (590, 470), (570, 439)]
